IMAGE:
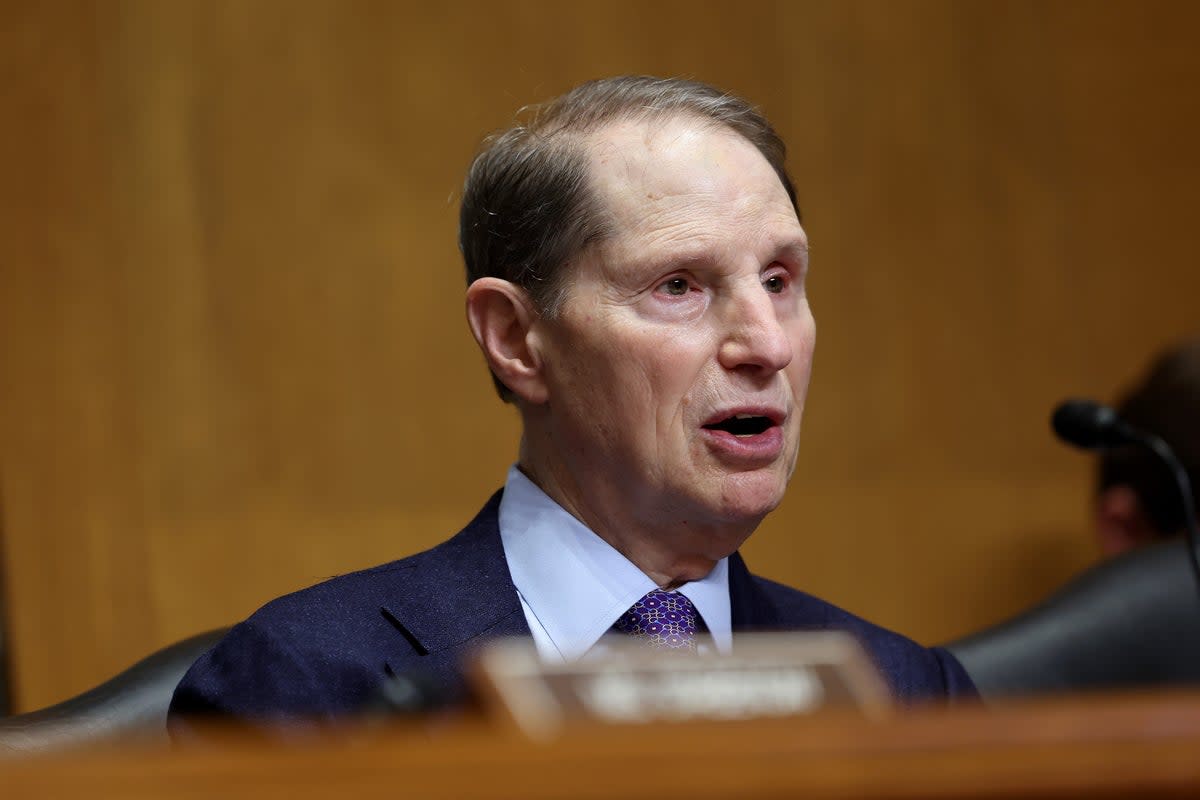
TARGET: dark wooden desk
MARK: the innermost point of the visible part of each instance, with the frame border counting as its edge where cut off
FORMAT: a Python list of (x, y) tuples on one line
[(1130, 746)]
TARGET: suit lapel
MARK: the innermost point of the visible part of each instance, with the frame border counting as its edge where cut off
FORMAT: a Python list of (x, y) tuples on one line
[(749, 606), (455, 596)]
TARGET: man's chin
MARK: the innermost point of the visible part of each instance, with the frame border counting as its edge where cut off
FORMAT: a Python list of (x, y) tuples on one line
[(748, 497)]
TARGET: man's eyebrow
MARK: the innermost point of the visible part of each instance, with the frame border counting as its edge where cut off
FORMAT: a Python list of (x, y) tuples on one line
[(681, 260), (795, 248)]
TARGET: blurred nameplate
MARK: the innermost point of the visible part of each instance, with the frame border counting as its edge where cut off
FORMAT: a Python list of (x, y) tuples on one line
[(766, 675)]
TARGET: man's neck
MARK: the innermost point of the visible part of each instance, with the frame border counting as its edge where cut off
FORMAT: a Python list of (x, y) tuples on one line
[(670, 555)]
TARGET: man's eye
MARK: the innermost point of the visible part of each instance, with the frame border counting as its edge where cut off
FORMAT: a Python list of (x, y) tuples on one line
[(676, 286), (775, 284)]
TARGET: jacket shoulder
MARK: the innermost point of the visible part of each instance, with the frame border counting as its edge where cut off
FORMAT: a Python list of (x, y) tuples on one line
[(322, 651), (309, 653), (915, 672)]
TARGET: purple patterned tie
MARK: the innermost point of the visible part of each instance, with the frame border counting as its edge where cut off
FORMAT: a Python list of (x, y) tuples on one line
[(663, 620)]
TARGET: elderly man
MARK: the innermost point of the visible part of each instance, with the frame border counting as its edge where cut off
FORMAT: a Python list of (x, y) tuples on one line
[(636, 271)]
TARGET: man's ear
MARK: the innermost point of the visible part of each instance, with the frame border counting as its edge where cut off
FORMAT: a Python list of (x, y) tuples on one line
[(1121, 524), (501, 317)]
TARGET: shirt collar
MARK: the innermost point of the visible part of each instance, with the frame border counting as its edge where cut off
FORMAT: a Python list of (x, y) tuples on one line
[(575, 583)]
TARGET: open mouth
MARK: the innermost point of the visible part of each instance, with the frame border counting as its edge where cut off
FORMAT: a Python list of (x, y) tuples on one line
[(742, 425)]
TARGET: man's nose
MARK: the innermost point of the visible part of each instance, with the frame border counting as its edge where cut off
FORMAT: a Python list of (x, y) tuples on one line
[(754, 339)]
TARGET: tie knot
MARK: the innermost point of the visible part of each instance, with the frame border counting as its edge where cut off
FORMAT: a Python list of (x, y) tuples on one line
[(664, 620)]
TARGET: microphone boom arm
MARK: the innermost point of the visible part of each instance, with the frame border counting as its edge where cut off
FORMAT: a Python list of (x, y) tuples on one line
[(1161, 449)]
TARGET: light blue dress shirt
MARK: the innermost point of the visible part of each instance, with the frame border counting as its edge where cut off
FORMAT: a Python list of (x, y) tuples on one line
[(574, 585)]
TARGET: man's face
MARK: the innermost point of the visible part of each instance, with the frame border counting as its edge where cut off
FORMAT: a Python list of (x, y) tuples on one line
[(678, 365)]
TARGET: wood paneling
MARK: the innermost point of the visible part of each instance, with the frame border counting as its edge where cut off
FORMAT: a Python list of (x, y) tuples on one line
[(231, 343)]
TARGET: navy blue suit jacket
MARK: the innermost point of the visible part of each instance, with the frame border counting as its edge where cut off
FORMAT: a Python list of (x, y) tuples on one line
[(324, 651)]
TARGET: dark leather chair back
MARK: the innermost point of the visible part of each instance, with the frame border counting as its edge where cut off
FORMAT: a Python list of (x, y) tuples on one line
[(1132, 621), (132, 705)]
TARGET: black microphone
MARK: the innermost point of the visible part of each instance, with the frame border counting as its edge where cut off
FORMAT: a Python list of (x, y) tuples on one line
[(1092, 426)]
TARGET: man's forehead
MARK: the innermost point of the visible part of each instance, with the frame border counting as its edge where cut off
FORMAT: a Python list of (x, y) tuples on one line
[(623, 151), (654, 172)]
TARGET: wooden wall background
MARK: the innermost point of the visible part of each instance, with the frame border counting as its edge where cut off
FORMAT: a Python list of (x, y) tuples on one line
[(232, 353)]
